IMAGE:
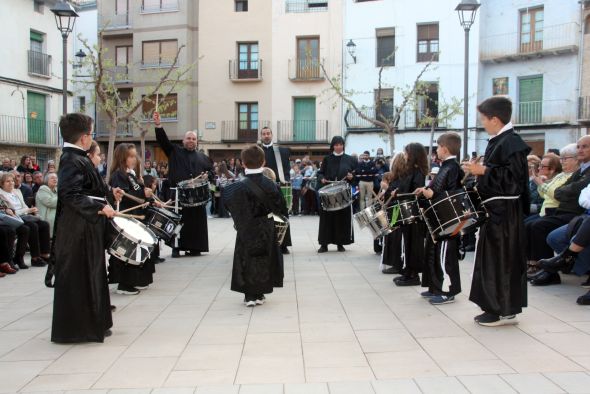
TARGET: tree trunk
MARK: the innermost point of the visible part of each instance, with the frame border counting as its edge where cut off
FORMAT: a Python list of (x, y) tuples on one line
[(391, 133), (430, 146)]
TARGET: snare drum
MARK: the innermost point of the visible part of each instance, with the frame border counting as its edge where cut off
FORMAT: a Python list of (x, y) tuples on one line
[(365, 216), (164, 223), (379, 225), (404, 211), (460, 211), (133, 242), (281, 226), (193, 192), (336, 196)]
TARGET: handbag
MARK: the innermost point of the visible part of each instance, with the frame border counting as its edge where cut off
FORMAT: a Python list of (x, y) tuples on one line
[(13, 222)]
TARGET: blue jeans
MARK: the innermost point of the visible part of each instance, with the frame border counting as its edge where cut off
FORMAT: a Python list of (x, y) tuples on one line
[(559, 241)]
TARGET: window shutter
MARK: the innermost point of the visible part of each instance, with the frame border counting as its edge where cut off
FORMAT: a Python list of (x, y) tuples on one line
[(36, 36), (151, 52), (168, 51)]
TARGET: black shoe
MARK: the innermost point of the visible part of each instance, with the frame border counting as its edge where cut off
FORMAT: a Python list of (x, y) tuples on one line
[(408, 281), (192, 253), (341, 248), (175, 253), (14, 266), (127, 290), (113, 308), (323, 249), (285, 250), (38, 262), (108, 333), (470, 248), (562, 262), (492, 320), (584, 299), (22, 265), (390, 270), (586, 284), (49, 276), (546, 279), (159, 260)]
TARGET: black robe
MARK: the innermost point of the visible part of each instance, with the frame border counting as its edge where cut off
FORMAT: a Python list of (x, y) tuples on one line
[(392, 243), (258, 261), (271, 162), (119, 271), (499, 278), (81, 303), (182, 165), (336, 226)]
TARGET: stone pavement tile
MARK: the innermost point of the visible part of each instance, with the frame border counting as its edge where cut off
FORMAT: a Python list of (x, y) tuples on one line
[(584, 361), (486, 384), (433, 326), (261, 389), (85, 358), (199, 378), (13, 339), (36, 349), (397, 386), (219, 334), (536, 321), (306, 388), (571, 382), (322, 313), (130, 391), (327, 332), (204, 357), (137, 373), (72, 381), (333, 354), (404, 364), (275, 318), (374, 321), (150, 343), (533, 383), (124, 335), (170, 390), (441, 385), (16, 374), (567, 343), (351, 388), (379, 341), (217, 390), (86, 392), (338, 374)]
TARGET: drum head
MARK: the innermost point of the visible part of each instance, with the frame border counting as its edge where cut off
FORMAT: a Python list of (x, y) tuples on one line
[(135, 230)]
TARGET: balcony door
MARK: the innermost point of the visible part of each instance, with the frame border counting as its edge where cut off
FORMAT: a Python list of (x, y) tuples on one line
[(304, 121), (248, 60), (36, 115), (531, 30), (530, 99), (247, 122), (308, 57)]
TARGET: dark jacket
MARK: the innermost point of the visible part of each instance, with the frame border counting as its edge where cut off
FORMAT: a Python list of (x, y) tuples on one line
[(365, 171), (448, 178), (271, 161), (568, 193)]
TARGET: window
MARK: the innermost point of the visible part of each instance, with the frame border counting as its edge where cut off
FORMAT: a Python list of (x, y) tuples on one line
[(38, 6), (159, 53), (39, 62), (123, 55), (159, 5), (167, 106), (241, 5), (247, 60), (427, 42), (80, 104), (308, 57), (121, 7), (427, 104), (306, 5), (531, 29), (587, 25), (530, 97), (247, 117), (385, 47), (384, 104)]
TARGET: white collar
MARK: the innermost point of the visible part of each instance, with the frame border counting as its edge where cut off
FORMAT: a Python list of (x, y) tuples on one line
[(506, 127), (338, 154), (450, 158), (249, 171), (68, 145), (267, 146)]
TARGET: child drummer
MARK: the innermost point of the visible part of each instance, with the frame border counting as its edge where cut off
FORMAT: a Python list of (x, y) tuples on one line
[(445, 252)]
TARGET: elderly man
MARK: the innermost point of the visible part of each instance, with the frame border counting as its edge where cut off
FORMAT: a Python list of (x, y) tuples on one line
[(185, 162), (37, 182), (568, 208), (6, 165)]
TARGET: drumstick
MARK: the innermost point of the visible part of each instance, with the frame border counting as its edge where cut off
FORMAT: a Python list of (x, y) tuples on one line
[(388, 200), (133, 198), (157, 101), (124, 215), (405, 195), (135, 207)]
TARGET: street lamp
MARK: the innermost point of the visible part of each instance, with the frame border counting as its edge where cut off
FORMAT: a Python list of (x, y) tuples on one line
[(466, 10), (65, 17), (351, 47)]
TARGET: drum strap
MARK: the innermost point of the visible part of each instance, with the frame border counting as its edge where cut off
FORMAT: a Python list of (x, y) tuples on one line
[(258, 192), (281, 173), (500, 198)]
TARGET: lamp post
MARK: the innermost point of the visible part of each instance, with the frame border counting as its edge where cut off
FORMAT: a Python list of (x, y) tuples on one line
[(466, 10), (65, 17), (351, 47)]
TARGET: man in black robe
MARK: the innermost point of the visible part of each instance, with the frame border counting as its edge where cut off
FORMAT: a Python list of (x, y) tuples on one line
[(258, 263), (185, 162), (499, 283), (284, 176), (336, 226), (81, 304)]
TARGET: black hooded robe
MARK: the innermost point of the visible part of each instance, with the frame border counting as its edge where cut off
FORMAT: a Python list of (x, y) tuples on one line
[(81, 303), (271, 162), (258, 261), (182, 165), (499, 283), (336, 226)]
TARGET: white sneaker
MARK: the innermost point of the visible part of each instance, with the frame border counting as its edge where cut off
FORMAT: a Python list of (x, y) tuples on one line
[(142, 287), (260, 301), (250, 304)]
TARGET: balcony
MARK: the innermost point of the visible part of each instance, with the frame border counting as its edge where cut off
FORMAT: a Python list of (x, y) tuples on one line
[(555, 40), (545, 111), (236, 131), (162, 6), (39, 63), (409, 119), (305, 70), (119, 74), (245, 71), (303, 131), (114, 22), (584, 109), (300, 6), (103, 128), (27, 131)]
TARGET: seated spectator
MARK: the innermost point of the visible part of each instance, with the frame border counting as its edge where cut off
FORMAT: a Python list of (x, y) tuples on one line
[(149, 170), (37, 182), (5, 249), (50, 168), (25, 190), (38, 229), (21, 236), (535, 201), (25, 165), (13, 164), (6, 166), (46, 200), (34, 164)]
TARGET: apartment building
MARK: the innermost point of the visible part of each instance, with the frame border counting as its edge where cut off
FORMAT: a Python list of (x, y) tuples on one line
[(141, 38), (261, 65), (85, 28), (30, 80), (584, 99)]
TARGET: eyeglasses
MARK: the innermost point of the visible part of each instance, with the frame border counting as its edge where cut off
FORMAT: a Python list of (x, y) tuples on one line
[(564, 158)]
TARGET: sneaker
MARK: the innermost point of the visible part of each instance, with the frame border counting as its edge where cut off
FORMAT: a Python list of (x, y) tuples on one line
[(584, 299), (427, 294), (323, 249), (407, 281), (442, 299), (141, 287), (260, 300), (127, 290), (250, 303), (390, 270), (341, 248), (491, 320)]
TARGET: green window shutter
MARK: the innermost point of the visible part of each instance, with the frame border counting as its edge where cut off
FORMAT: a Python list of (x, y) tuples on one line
[(36, 36), (530, 100)]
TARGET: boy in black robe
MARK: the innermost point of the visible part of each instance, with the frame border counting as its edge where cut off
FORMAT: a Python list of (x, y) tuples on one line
[(81, 304), (499, 276), (444, 253), (336, 226), (258, 261)]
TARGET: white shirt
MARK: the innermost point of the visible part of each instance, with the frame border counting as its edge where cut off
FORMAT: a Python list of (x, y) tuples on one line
[(249, 171), (584, 199), (267, 146), (506, 127), (68, 145), (338, 154)]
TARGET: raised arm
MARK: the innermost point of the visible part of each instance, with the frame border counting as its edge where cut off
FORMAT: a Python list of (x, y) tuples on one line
[(161, 136)]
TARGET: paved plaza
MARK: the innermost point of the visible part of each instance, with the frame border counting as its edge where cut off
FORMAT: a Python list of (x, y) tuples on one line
[(338, 326)]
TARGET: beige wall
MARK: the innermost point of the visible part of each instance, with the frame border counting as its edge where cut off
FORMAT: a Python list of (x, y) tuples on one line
[(585, 88)]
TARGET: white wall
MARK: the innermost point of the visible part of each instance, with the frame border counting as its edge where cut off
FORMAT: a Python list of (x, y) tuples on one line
[(86, 27)]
